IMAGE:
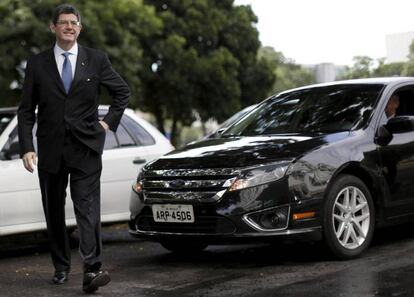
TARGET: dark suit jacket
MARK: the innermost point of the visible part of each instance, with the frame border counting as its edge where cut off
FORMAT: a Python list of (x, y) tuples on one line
[(77, 111)]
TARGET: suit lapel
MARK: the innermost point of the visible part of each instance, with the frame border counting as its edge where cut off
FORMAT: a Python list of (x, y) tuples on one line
[(81, 63), (51, 67)]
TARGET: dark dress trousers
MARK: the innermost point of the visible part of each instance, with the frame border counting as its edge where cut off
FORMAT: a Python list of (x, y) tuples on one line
[(70, 143)]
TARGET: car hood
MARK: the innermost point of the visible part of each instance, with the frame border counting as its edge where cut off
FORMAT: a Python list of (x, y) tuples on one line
[(242, 151)]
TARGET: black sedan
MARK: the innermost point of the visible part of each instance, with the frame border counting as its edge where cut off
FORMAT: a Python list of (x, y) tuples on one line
[(330, 161)]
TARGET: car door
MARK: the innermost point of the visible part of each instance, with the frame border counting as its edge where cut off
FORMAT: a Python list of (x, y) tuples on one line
[(124, 155), (20, 199), (21, 207), (397, 161)]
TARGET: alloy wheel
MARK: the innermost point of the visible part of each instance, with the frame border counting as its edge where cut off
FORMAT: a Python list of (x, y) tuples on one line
[(351, 217)]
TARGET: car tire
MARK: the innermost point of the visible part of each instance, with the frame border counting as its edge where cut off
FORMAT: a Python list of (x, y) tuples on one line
[(185, 247), (348, 217)]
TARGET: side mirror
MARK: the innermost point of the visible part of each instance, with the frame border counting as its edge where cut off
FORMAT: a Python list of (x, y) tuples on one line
[(383, 136), (396, 125), (220, 131), (216, 133), (400, 124)]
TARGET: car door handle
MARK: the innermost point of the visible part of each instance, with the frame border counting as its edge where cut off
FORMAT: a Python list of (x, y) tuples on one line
[(139, 161)]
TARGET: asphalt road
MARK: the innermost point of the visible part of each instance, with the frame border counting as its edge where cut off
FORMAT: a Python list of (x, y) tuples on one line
[(140, 268)]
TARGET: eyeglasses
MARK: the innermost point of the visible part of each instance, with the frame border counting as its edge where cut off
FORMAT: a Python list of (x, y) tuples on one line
[(67, 23)]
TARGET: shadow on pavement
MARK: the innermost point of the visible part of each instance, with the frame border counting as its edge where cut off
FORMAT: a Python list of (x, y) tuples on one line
[(261, 255), (37, 242), (252, 254)]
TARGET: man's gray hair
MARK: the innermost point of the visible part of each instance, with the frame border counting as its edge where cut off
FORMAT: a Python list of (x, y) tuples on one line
[(65, 9)]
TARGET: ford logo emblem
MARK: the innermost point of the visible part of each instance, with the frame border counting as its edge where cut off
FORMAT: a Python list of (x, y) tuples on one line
[(178, 183)]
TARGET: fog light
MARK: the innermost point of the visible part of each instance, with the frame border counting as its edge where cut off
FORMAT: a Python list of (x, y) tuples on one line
[(270, 219)]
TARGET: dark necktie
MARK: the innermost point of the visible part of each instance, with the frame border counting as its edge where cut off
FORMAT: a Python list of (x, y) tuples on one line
[(67, 72)]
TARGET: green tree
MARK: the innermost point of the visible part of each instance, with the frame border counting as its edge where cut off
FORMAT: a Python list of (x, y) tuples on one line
[(288, 74), (391, 69), (203, 62), (180, 58), (256, 76), (362, 68), (116, 27), (365, 67), (409, 66)]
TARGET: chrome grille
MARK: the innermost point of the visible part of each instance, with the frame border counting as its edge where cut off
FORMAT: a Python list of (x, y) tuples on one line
[(186, 184), (191, 172), (200, 185)]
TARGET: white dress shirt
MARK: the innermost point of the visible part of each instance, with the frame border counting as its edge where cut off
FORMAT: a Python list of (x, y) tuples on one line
[(73, 57)]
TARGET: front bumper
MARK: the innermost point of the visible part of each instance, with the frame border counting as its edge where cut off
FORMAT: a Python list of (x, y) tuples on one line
[(224, 222), (304, 234)]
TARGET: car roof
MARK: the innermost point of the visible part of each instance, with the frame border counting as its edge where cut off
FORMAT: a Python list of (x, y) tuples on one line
[(13, 109), (8, 109), (106, 107), (367, 81)]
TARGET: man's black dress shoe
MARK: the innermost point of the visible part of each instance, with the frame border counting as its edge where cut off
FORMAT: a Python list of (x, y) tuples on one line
[(92, 280), (60, 277)]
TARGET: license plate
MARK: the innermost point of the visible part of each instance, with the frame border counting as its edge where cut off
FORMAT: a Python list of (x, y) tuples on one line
[(173, 213)]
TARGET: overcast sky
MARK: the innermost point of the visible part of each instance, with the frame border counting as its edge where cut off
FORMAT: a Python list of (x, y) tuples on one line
[(317, 31)]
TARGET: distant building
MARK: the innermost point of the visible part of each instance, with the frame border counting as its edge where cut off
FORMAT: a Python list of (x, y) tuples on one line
[(325, 72), (398, 46)]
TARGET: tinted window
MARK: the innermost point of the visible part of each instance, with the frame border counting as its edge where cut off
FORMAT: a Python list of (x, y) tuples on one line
[(123, 137), (110, 140), (5, 119), (11, 149), (140, 135), (406, 101), (322, 109), (405, 107)]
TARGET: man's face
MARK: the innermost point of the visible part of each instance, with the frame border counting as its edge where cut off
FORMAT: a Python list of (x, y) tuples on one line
[(66, 29), (392, 106)]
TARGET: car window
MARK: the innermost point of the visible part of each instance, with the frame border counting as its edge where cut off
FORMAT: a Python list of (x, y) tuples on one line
[(11, 149), (140, 135), (5, 119), (110, 141), (321, 109), (406, 101), (124, 138), (405, 107)]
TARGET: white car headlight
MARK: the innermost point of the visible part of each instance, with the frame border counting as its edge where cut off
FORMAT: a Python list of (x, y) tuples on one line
[(260, 175)]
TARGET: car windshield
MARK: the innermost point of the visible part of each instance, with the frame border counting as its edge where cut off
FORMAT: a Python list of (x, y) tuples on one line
[(237, 116), (5, 119), (318, 109)]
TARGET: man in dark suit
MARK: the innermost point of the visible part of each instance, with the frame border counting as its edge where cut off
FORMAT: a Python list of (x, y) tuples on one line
[(63, 83)]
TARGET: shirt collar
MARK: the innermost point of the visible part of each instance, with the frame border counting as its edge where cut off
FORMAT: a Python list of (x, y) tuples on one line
[(58, 51)]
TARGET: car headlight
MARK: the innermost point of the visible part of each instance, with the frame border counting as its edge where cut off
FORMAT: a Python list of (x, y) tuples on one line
[(137, 186), (260, 175)]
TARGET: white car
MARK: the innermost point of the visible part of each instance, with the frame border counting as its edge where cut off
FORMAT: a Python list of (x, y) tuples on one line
[(135, 143)]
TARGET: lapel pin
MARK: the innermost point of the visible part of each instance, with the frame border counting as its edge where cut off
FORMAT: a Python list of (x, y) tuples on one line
[(88, 79), (83, 63)]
